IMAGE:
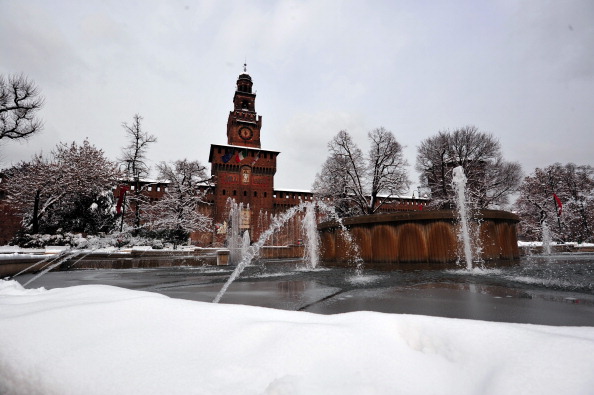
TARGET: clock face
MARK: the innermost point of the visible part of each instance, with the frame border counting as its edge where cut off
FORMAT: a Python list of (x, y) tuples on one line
[(246, 133)]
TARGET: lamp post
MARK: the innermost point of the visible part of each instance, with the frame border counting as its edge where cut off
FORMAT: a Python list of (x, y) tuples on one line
[(123, 209)]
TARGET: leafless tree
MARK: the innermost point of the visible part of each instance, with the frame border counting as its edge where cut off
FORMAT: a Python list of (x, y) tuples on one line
[(491, 180), (333, 182), (134, 154), (19, 102), (386, 167), (177, 212), (134, 157), (360, 184)]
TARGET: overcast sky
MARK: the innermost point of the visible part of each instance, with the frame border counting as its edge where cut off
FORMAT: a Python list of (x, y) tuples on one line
[(521, 70)]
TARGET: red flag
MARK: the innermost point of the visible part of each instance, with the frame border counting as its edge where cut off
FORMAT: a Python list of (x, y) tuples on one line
[(241, 155), (123, 189), (559, 204)]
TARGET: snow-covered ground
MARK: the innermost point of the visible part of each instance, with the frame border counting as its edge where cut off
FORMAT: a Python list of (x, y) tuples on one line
[(539, 244), (97, 339)]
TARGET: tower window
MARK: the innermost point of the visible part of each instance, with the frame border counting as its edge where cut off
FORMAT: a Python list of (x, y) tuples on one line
[(224, 192), (255, 194), (234, 193), (244, 193)]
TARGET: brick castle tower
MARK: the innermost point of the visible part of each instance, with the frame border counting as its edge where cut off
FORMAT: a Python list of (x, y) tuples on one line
[(241, 169)]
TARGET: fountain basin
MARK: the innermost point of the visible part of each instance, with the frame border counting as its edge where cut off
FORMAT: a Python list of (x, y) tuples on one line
[(418, 237)]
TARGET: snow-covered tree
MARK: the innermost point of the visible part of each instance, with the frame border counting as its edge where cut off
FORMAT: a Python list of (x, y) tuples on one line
[(177, 213), (359, 184), (19, 101), (491, 180), (563, 197), (134, 157), (70, 190)]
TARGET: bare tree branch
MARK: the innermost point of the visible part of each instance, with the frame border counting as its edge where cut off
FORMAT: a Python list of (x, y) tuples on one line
[(134, 156), (491, 180), (358, 184), (19, 101)]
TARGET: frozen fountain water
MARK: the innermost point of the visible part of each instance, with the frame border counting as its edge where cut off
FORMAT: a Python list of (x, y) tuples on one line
[(459, 183)]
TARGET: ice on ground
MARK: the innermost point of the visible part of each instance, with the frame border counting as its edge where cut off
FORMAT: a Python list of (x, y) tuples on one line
[(97, 339)]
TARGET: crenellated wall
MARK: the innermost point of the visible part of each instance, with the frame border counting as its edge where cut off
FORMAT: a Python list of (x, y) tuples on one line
[(419, 237)]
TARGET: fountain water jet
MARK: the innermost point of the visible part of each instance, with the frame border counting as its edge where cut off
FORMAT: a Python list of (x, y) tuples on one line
[(58, 261), (354, 247), (245, 244), (252, 252), (312, 238), (279, 221), (459, 183), (546, 238), (235, 240)]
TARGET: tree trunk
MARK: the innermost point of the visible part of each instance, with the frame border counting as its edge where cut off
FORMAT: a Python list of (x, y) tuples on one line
[(35, 219)]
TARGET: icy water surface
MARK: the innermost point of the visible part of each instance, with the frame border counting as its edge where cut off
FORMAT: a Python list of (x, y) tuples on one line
[(551, 290)]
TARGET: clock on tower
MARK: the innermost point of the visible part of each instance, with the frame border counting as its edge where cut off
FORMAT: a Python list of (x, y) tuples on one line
[(246, 133)]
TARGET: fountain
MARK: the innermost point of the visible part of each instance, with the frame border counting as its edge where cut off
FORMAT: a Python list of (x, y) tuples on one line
[(252, 252), (459, 183), (245, 244), (406, 237), (546, 238), (402, 237), (235, 240), (425, 237), (312, 239)]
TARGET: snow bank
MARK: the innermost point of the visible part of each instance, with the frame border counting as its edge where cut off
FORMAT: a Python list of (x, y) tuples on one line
[(97, 339)]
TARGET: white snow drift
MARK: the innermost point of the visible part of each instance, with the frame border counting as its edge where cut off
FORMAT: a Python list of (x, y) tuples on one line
[(105, 340)]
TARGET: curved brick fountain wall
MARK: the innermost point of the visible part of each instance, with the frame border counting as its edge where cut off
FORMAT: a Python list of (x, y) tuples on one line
[(418, 237)]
